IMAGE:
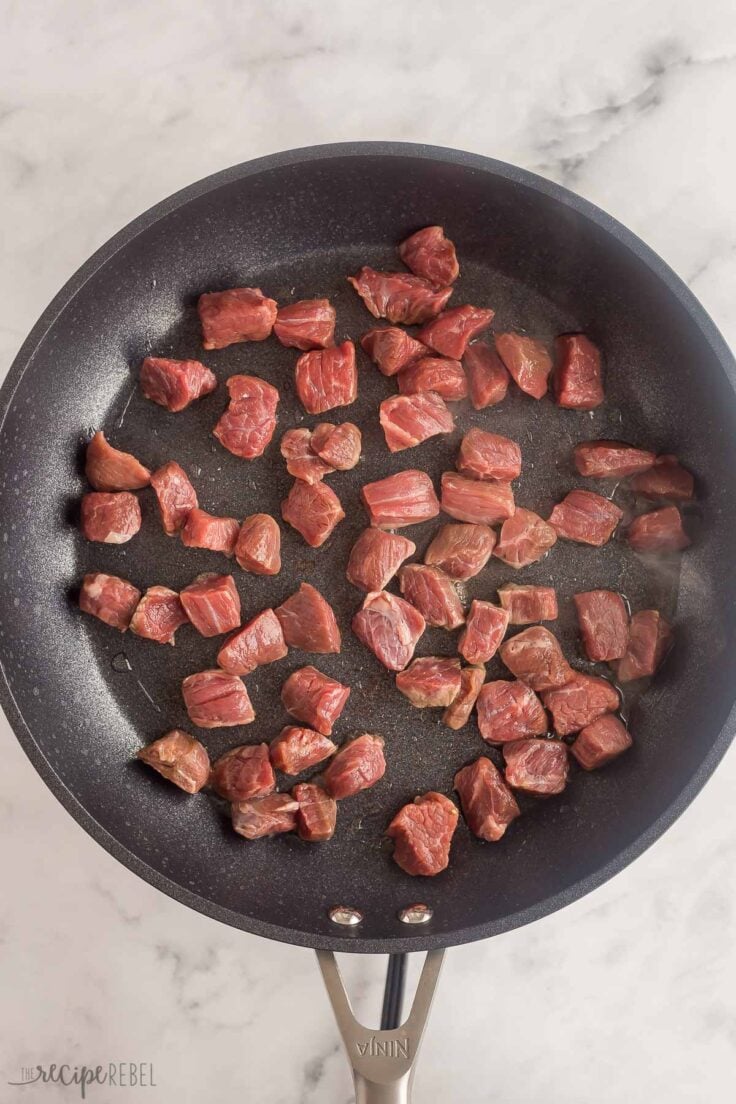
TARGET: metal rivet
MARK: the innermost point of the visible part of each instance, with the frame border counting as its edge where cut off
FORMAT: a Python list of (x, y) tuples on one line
[(416, 914), (348, 917)]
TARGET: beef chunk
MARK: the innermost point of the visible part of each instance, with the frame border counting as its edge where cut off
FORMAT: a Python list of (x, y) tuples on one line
[(527, 361), (391, 349), (536, 658), (308, 621), (458, 711), (432, 593), (180, 759), (409, 420), (376, 557), (175, 495), (666, 479), (461, 550), (600, 742), (604, 624), (110, 517), (301, 461), (359, 764), (314, 511), (432, 682), (585, 517), (405, 498), (439, 374), (109, 469), (249, 422), (238, 314), (109, 598), (258, 547), (212, 604), (269, 815), (475, 501), (581, 700), (487, 803), (259, 641), (158, 615), (243, 772), (327, 378), (488, 379), (658, 531), (578, 378), (428, 253), (203, 530), (509, 711), (483, 632), (451, 333), (390, 627), (337, 445), (174, 384), (398, 296), (308, 324), (422, 833), (296, 749), (525, 538), (650, 637), (611, 459), (527, 604), (317, 815), (537, 766), (215, 699), (314, 698), (486, 455)]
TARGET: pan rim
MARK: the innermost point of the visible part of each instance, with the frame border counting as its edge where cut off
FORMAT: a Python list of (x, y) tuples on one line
[(351, 941)]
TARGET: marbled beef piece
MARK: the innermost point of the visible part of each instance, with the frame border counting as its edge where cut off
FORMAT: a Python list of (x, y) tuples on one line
[(110, 517), (391, 349), (175, 495), (405, 498), (600, 742), (422, 833), (212, 603), (308, 324), (658, 531), (296, 749), (174, 384), (461, 550), (578, 377), (525, 538), (527, 604), (158, 615), (428, 253), (337, 445), (665, 479), (203, 530), (327, 378), (270, 815), (308, 621), (258, 547), (314, 698), (509, 711), (604, 624), (431, 592), (301, 461), (109, 469), (485, 629), (439, 374), (180, 759), (485, 455), (243, 772), (259, 641), (109, 598), (527, 361), (581, 700), (431, 682), (409, 420), (650, 637), (398, 296), (487, 803), (359, 764), (238, 314), (611, 459), (314, 511), (390, 627), (376, 557), (488, 379), (246, 427), (534, 656), (215, 699), (458, 711), (451, 333), (476, 501), (537, 766), (585, 517), (317, 815)]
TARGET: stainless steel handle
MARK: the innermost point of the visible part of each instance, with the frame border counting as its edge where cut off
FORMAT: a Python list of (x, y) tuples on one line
[(382, 1062)]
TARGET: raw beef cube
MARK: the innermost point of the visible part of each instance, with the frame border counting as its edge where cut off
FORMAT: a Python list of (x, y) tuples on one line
[(215, 699), (175, 495), (360, 763), (180, 759), (314, 698), (488, 379), (308, 621), (390, 627), (484, 631), (611, 459), (326, 378), (405, 498), (239, 314), (174, 384), (525, 538), (376, 557), (650, 637), (258, 547), (308, 324), (658, 531), (526, 604), (109, 469), (461, 550), (458, 711), (296, 749), (486, 455), (430, 254), (536, 658), (265, 816), (408, 420), (158, 615), (260, 641), (487, 803), (314, 511), (317, 816), (585, 517), (301, 461), (248, 424), (432, 682), (422, 833), (203, 530), (432, 593), (604, 624), (578, 378), (337, 445), (527, 360), (243, 772), (580, 701), (112, 517), (391, 349), (537, 766), (476, 501), (439, 374), (111, 599), (600, 742), (212, 604), (666, 479), (451, 333), (509, 711), (398, 296)]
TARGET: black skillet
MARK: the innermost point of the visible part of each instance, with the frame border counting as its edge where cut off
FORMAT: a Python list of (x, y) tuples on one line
[(82, 698)]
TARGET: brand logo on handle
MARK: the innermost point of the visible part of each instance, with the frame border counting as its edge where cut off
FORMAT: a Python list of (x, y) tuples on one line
[(383, 1048)]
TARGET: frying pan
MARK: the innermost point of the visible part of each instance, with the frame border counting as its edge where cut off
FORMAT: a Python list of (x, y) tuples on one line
[(82, 698)]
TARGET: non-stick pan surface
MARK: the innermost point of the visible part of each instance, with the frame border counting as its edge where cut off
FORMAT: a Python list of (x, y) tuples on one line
[(82, 698)]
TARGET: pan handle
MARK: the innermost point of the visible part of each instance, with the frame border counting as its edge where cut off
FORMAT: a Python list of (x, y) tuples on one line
[(382, 1062)]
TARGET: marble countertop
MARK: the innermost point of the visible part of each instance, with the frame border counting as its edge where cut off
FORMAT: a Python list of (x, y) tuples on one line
[(106, 108)]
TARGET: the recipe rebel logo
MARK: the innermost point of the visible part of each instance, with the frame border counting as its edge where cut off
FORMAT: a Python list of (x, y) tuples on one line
[(115, 1075)]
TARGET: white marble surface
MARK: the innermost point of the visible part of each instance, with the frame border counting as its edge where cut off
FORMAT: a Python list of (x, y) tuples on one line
[(104, 109)]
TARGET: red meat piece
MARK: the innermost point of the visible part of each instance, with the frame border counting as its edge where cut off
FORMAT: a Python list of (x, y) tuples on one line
[(308, 621), (301, 461), (509, 711), (398, 296), (458, 711), (326, 378), (578, 378), (484, 631), (658, 531), (215, 699), (408, 420), (488, 379), (405, 498), (337, 445), (650, 637), (527, 360), (535, 657), (248, 424), (258, 547), (308, 324), (111, 517), (476, 501), (180, 759), (391, 349), (313, 511), (537, 766), (174, 384), (203, 530), (487, 803), (585, 517), (376, 557), (432, 593), (317, 815), (579, 702), (243, 772), (212, 604), (111, 599), (611, 459), (175, 495), (527, 604), (109, 469), (430, 254), (422, 833), (439, 374), (431, 682), (600, 742), (666, 479), (296, 749), (390, 627), (604, 624), (461, 549), (314, 698), (358, 765), (239, 314), (525, 538), (265, 816), (158, 615), (259, 641), (486, 455), (452, 332)]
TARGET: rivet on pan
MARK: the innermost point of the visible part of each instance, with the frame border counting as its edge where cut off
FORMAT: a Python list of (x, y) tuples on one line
[(416, 914), (348, 917)]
